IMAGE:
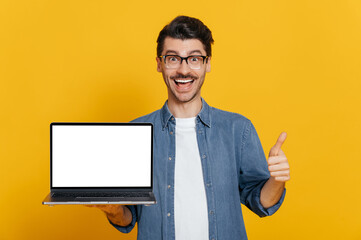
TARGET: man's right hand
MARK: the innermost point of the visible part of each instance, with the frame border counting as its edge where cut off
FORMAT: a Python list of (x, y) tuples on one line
[(118, 214)]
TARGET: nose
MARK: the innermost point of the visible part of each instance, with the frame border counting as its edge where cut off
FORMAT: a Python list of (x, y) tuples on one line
[(184, 68)]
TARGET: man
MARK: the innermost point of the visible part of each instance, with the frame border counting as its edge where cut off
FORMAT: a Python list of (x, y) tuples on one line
[(206, 161)]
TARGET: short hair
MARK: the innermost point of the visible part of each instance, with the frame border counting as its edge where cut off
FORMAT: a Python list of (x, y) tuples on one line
[(183, 27)]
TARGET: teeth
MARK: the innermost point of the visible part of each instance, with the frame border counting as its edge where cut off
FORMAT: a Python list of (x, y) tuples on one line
[(183, 81)]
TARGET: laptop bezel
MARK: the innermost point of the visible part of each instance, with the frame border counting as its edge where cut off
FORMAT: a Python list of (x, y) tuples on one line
[(99, 189)]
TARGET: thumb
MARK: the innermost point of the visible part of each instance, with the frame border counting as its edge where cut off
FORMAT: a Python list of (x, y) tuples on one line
[(276, 148)]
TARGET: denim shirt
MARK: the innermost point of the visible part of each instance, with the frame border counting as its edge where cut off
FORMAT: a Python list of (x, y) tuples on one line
[(234, 171)]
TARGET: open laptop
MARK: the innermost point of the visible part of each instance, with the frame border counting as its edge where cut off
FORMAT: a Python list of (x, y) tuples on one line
[(101, 163)]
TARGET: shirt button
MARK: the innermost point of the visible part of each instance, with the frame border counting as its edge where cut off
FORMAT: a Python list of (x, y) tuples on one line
[(172, 118), (204, 156), (170, 158), (211, 212), (171, 133), (208, 185), (168, 214), (168, 186)]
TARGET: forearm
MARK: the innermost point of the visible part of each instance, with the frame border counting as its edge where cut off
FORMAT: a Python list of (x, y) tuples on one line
[(271, 192)]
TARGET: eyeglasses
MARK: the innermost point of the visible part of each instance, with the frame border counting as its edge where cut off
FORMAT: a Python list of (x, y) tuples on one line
[(174, 61)]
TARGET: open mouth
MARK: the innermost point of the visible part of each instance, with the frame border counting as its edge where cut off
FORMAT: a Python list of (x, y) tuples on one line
[(180, 82)]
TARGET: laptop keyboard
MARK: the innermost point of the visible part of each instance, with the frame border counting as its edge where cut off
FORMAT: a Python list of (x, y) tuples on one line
[(101, 194)]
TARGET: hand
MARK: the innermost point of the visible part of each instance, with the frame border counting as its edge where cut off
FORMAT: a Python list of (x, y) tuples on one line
[(277, 161), (117, 214)]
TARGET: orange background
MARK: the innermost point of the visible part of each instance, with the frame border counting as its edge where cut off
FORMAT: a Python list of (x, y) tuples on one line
[(287, 65)]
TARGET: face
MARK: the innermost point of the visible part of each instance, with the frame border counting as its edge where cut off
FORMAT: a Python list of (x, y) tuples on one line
[(183, 83)]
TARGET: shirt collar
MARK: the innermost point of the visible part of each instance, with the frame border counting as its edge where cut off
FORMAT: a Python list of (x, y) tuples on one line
[(203, 115)]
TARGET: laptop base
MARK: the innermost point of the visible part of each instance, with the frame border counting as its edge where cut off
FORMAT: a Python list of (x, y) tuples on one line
[(49, 200)]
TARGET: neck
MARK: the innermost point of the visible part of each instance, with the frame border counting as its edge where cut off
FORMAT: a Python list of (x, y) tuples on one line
[(185, 109)]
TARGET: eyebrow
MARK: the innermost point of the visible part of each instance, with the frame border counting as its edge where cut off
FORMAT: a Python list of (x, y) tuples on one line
[(195, 51), (176, 53), (171, 51)]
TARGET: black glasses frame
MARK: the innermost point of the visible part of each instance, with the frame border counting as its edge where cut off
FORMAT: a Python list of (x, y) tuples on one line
[(183, 58)]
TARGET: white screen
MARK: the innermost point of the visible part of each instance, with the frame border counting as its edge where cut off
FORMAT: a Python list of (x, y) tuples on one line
[(101, 156)]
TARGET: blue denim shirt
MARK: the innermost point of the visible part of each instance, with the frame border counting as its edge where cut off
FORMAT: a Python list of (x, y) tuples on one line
[(234, 171)]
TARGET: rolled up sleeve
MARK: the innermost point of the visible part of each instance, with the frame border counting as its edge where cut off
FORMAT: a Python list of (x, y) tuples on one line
[(254, 173), (129, 228)]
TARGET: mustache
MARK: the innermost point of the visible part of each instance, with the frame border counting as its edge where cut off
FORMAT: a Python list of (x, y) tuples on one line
[(180, 76)]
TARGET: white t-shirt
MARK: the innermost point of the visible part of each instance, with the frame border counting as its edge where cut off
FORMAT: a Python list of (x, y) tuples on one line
[(190, 202)]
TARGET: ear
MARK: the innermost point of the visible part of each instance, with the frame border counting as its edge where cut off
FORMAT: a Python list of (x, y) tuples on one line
[(208, 64), (159, 64)]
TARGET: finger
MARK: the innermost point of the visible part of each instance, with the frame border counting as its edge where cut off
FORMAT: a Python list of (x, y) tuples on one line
[(276, 148), (277, 160), (282, 179), (279, 167), (284, 173)]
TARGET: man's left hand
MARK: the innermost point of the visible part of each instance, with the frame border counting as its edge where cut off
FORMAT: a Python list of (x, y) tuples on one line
[(277, 161)]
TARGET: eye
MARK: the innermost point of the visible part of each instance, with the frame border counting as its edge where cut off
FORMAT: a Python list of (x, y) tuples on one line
[(172, 59), (194, 59)]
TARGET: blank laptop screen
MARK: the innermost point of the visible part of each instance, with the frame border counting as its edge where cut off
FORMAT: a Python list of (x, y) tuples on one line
[(101, 155)]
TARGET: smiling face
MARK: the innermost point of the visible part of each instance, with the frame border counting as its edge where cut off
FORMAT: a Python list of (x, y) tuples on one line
[(183, 83)]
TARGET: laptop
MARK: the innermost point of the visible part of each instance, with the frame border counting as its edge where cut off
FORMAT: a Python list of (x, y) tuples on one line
[(101, 163)]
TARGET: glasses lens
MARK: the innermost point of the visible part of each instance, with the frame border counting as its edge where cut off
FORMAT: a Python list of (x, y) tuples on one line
[(195, 62), (172, 61)]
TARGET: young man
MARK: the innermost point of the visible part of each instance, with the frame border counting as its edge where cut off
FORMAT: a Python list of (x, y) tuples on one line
[(206, 161)]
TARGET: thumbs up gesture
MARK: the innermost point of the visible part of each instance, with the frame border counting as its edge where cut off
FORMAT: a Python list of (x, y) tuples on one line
[(277, 161)]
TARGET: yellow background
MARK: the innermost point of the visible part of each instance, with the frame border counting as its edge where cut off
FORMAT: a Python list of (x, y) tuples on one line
[(290, 66)]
